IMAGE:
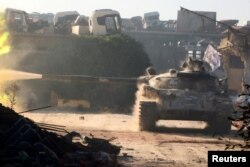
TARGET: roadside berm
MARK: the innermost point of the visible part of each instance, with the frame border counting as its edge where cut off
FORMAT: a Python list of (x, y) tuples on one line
[(25, 143)]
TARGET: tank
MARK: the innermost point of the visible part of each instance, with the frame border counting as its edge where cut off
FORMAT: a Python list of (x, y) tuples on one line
[(193, 93)]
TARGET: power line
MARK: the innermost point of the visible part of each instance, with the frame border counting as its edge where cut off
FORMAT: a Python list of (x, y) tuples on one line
[(206, 17)]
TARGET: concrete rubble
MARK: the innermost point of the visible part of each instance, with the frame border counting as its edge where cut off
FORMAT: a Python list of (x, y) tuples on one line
[(24, 143), (241, 119)]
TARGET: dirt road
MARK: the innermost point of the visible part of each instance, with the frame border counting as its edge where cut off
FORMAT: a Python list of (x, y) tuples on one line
[(139, 149)]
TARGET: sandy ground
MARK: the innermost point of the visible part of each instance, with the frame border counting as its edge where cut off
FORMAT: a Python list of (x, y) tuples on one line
[(141, 149)]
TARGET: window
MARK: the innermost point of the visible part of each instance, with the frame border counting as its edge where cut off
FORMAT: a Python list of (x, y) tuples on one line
[(110, 24), (15, 21), (117, 22), (101, 20)]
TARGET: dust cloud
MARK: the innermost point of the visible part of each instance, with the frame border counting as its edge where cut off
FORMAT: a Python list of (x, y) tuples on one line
[(136, 108), (12, 75), (10, 91)]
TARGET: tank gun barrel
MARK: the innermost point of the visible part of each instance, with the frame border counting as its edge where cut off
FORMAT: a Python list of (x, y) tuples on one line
[(91, 79)]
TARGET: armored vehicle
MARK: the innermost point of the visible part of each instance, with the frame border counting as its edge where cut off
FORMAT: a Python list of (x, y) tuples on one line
[(191, 94)]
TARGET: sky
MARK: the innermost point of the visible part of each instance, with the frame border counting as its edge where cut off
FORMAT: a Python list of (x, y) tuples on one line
[(226, 9)]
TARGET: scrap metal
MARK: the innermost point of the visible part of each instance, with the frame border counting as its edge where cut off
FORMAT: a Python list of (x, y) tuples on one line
[(26, 143)]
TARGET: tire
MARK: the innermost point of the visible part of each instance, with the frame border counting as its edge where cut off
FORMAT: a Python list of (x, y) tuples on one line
[(148, 116), (219, 125)]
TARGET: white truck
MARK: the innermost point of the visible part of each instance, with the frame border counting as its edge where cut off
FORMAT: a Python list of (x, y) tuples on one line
[(16, 20), (21, 22), (101, 22), (151, 21), (81, 25), (63, 21), (104, 21)]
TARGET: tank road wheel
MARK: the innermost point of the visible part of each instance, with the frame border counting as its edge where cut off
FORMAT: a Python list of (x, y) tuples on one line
[(219, 125), (148, 116)]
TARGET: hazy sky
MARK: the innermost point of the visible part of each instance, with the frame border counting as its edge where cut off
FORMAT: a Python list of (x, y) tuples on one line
[(226, 9)]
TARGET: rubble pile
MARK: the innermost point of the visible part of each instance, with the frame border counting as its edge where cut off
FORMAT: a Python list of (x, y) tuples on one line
[(24, 143), (241, 119)]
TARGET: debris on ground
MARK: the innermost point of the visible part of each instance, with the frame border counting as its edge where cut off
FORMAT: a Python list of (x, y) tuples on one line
[(241, 119), (24, 143)]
